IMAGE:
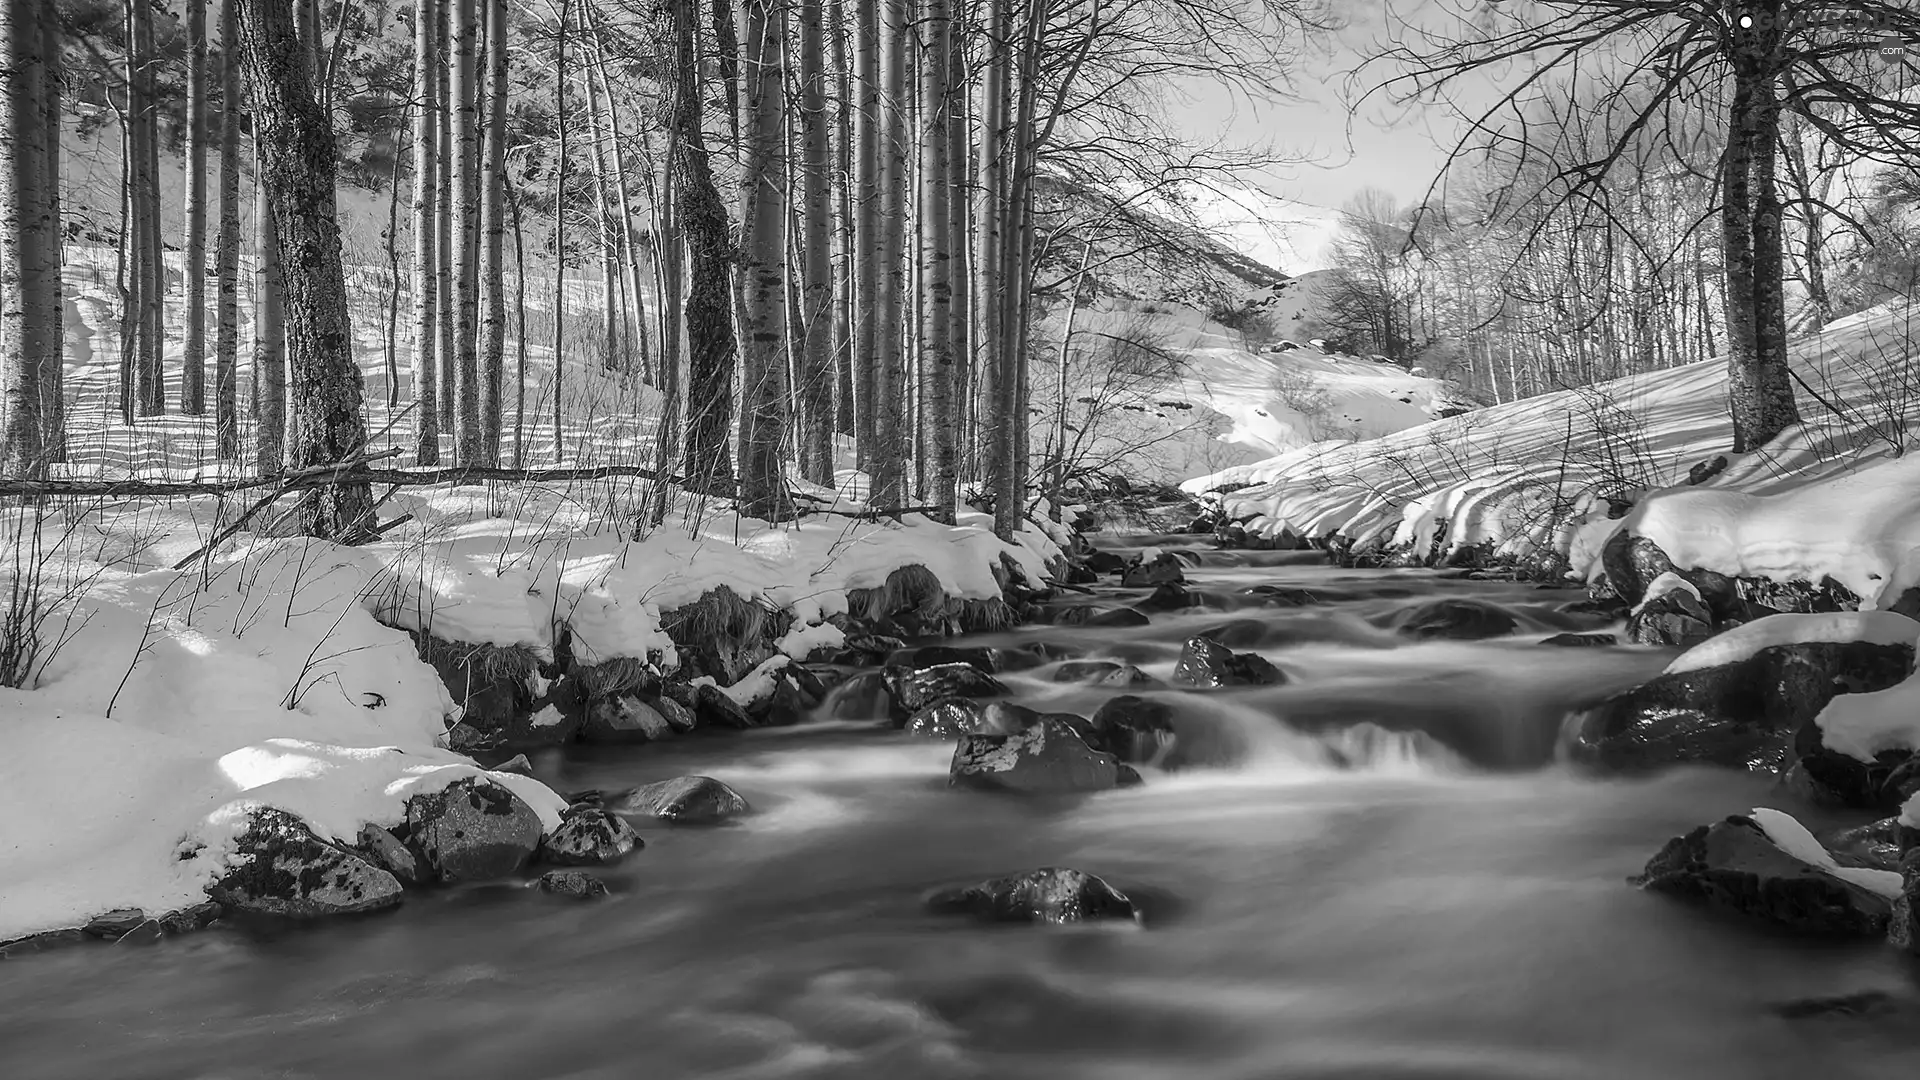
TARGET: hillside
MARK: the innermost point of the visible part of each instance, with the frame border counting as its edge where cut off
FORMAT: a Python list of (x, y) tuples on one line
[(1524, 476)]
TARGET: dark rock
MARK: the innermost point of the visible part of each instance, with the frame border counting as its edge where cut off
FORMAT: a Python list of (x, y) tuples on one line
[(678, 717), (913, 689), (1125, 776), (1632, 563), (1238, 634), (1207, 664), (1864, 1003), (862, 697), (862, 649), (1162, 569), (784, 706), (1609, 608), (1756, 713), (955, 718), (1457, 620), (1105, 562), (812, 690), (1115, 618), (1824, 777), (279, 867), (1581, 640), (683, 800), (985, 660), (623, 719), (1284, 595), (1134, 729), (573, 884), (1170, 597), (1675, 617), (517, 765), (1733, 864), (1047, 758), (588, 837), (1703, 471), (1875, 846), (1103, 673), (493, 685), (47, 942), (1053, 895), (385, 851), (713, 708), (116, 924), (188, 919), (473, 830), (1904, 929)]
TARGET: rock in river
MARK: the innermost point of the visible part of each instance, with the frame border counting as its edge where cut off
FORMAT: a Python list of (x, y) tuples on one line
[(473, 830), (913, 689), (683, 800), (1735, 864), (1047, 758), (279, 867), (573, 884), (1206, 663), (1052, 895), (586, 837), (1457, 620)]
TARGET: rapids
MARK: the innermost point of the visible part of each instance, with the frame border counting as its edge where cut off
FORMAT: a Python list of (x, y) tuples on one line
[(1375, 871)]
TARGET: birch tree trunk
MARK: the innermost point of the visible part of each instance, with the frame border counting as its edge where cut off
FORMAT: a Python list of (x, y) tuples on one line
[(27, 343), (842, 179), (493, 344), (710, 255), (53, 406), (269, 321), (763, 230), (560, 224), (464, 99), (193, 265), (426, 246), (935, 309), (446, 319), (888, 467), (816, 367), (867, 259), (226, 246), (144, 200), (996, 388), (298, 165), (612, 321)]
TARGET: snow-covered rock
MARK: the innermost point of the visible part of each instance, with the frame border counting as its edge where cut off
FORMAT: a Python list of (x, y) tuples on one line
[(588, 836), (1769, 867), (279, 867)]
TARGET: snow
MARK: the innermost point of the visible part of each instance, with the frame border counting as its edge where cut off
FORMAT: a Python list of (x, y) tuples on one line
[(1667, 582), (755, 685), (1863, 725), (1534, 476), (1793, 838), (1743, 641)]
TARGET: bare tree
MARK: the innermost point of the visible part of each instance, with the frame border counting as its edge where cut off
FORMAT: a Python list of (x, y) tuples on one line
[(763, 180), (938, 421), (193, 387), (226, 246), (815, 370), (27, 343), (493, 267), (464, 103), (426, 221)]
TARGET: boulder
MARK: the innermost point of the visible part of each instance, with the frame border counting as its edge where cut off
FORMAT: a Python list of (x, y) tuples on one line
[(385, 851), (1114, 618), (279, 867), (683, 800), (1171, 597), (1284, 595), (1047, 758), (1676, 617), (116, 924), (1610, 608), (623, 718), (1054, 895), (588, 837), (1207, 664), (985, 660), (913, 689), (678, 717), (784, 706), (1105, 562), (517, 765), (473, 830), (1904, 929), (1632, 563), (713, 708), (1134, 729), (193, 917), (572, 884), (1735, 865), (1754, 713), (862, 697), (1874, 846), (1576, 641), (1162, 569), (1103, 673), (1457, 619), (949, 718)]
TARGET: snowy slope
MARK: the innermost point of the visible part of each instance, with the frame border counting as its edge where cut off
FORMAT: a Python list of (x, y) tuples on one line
[(1293, 236), (1526, 474)]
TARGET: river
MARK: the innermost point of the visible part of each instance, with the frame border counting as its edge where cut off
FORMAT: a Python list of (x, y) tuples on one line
[(1375, 871)]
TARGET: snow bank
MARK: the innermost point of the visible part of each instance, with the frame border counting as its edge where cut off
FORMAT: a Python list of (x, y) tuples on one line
[(1863, 725), (1666, 583), (1741, 642), (1793, 838)]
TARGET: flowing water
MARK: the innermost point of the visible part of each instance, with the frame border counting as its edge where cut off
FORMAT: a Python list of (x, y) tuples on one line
[(1375, 871)]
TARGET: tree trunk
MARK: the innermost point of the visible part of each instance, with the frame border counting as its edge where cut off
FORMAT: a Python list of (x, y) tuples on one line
[(959, 215), (269, 319), (27, 343), (844, 241), (193, 385), (888, 463), (763, 232), (426, 247), (710, 255), (629, 240), (465, 102), (671, 263), (559, 224), (226, 247), (298, 164), (937, 419), (53, 405), (615, 357), (446, 318), (996, 378), (149, 270), (493, 345), (816, 367), (867, 256)]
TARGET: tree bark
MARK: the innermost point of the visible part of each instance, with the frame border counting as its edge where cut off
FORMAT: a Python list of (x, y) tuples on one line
[(446, 318), (816, 367), (27, 343), (615, 357), (868, 248), (763, 231), (226, 246), (426, 246), (269, 319), (843, 232), (463, 97), (193, 385), (888, 466), (710, 256), (144, 199), (560, 224), (493, 343), (935, 309), (53, 405), (298, 165), (989, 266)]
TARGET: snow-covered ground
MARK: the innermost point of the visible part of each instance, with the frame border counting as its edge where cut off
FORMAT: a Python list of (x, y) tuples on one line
[(1529, 475)]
